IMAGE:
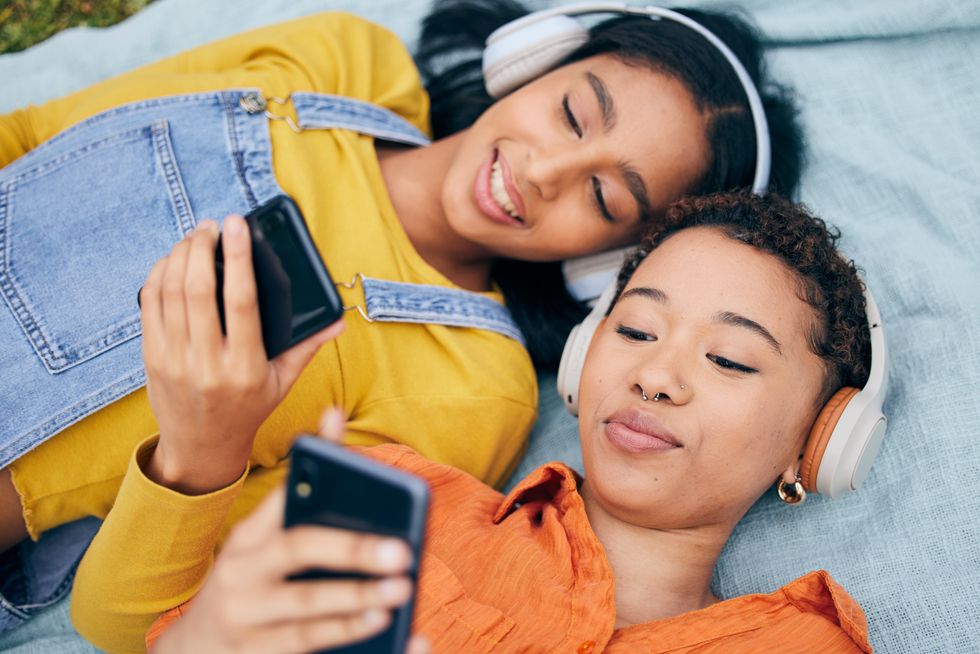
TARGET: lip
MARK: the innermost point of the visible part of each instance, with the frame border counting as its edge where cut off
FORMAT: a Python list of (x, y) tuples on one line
[(639, 432), (510, 186), (484, 197)]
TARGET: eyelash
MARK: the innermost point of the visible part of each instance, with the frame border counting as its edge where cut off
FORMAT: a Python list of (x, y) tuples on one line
[(635, 334), (726, 364), (597, 198)]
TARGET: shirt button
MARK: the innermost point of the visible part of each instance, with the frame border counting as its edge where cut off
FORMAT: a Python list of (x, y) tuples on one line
[(586, 647)]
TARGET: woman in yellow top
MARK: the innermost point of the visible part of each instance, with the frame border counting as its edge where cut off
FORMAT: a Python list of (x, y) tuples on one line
[(571, 163)]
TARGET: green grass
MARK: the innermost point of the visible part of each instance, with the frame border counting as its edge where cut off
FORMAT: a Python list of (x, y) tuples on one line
[(26, 22)]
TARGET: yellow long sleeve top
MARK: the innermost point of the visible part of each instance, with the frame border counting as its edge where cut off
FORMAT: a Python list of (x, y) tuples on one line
[(459, 396)]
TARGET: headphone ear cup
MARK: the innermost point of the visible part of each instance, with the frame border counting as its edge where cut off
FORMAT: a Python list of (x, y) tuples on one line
[(820, 435), (577, 346), (572, 362), (516, 55)]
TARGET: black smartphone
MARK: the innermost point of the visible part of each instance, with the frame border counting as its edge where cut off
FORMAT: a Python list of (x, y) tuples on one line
[(296, 294), (332, 486)]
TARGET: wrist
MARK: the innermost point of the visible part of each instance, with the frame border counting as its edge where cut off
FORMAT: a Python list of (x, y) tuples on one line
[(196, 475)]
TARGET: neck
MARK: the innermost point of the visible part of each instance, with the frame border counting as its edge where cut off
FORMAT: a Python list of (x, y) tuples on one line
[(659, 573), (413, 178)]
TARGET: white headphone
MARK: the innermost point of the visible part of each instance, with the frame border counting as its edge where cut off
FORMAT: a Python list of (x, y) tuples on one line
[(532, 45)]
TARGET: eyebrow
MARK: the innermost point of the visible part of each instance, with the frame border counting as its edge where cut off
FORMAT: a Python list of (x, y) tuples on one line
[(634, 182), (729, 318), (654, 294), (725, 317), (606, 105)]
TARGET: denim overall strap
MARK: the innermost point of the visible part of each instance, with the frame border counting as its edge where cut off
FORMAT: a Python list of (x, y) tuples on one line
[(323, 111), (387, 301)]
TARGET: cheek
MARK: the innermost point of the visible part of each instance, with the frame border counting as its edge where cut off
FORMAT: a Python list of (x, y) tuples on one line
[(743, 440)]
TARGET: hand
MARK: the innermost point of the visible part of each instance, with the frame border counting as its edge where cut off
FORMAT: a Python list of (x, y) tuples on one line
[(210, 391), (246, 605)]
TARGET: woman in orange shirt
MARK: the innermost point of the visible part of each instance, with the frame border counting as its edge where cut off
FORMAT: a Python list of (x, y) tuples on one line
[(732, 328)]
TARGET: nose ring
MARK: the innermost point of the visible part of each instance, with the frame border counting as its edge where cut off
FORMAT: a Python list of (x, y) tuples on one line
[(644, 394), (656, 398), (683, 386)]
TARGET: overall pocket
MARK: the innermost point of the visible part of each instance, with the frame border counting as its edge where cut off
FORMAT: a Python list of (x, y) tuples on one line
[(79, 231)]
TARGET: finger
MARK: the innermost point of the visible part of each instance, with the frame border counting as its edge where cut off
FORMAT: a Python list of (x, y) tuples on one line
[(291, 363), (174, 308), (241, 296), (332, 424), (418, 645), (319, 634), (151, 313), (307, 547), (311, 599), (200, 289)]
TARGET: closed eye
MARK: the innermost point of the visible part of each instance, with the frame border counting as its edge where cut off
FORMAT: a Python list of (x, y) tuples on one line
[(631, 334), (570, 117), (728, 364)]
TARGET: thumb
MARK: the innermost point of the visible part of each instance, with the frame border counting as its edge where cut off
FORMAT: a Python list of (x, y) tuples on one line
[(332, 425)]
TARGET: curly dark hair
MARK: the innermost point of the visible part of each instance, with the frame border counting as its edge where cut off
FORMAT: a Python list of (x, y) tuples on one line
[(828, 282)]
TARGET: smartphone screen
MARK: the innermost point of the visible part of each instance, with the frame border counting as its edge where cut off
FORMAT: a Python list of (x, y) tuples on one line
[(332, 486)]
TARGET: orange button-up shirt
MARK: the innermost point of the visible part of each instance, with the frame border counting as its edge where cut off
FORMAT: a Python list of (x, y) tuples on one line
[(526, 573)]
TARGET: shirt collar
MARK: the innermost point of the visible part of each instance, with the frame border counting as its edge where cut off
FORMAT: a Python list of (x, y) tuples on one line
[(552, 482)]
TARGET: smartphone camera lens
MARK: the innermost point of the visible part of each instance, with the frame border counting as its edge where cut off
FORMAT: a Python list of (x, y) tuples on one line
[(305, 479)]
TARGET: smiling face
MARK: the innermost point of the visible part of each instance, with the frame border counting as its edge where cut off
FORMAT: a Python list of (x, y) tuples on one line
[(571, 163), (717, 328)]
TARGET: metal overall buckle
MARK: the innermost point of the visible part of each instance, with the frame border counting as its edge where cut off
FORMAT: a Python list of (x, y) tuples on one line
[(358, 277), (254, 103)]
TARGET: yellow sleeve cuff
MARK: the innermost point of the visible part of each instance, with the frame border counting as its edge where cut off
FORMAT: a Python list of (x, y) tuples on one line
[(153, 552)]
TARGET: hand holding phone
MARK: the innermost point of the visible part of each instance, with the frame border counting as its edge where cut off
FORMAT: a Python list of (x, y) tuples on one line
[(331, 486), (210, 390), (247, 605)]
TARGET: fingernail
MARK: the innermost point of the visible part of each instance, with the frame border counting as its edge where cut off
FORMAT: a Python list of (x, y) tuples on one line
[(373, 617), (390, 553), (234, 226), (391, 588)]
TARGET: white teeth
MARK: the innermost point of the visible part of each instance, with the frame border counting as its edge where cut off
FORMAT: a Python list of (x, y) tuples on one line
[(499, 191)]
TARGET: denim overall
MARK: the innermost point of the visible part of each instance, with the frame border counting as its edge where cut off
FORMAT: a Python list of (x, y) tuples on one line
[(84, 216)]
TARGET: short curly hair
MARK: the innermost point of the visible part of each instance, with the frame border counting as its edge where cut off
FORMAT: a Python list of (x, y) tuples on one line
[(828, 282)]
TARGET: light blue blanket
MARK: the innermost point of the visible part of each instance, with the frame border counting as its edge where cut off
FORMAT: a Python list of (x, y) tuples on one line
[(890, 93)]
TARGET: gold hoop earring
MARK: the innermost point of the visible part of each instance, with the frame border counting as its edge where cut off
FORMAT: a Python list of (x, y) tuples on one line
[(791, 493)]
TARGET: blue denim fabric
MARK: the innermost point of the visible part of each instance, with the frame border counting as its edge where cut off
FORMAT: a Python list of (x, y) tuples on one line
[(34, 576), (85, 215), (397, 302)]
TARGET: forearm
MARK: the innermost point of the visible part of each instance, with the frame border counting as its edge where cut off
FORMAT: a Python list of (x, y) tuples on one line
[(153, 552)]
